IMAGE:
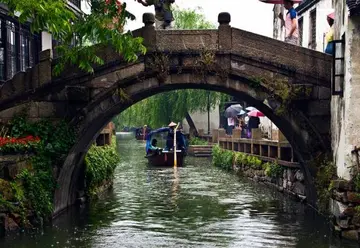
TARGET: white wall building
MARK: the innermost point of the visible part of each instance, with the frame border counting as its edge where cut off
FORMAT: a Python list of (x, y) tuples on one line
[(312, 15), (201, 120), (345, 115)]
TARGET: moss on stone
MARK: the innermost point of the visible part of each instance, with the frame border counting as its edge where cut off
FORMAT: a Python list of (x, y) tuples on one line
[(6, 190)]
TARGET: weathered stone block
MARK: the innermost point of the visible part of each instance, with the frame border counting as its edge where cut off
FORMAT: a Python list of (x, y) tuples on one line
[(343, 223), (337, 208), (284, 184), (340, 196), (5, 190), (18, 82), (77, 94), (290, 175), (10, 225), (353, 197), (299, 188), (350, 234), (324, 93), (341, 185), (356, 220), (320, 107), (299, 175), (12, 170)]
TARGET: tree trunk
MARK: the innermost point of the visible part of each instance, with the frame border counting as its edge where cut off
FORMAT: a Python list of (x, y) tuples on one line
[(192, 127)]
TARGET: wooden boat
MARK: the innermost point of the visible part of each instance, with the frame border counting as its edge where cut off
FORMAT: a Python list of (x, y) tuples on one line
[(163, 157), (166, 158)]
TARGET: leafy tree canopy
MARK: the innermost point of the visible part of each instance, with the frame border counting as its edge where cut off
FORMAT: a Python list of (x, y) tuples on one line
[(104, 25), (160, 109)]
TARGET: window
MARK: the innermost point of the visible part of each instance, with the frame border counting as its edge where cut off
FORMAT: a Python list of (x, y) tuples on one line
[(18, 48), (312, 31), (300, 24)]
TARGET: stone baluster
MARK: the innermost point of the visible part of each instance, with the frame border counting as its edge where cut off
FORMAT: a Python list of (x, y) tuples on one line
[(148, 31), (225, 36)]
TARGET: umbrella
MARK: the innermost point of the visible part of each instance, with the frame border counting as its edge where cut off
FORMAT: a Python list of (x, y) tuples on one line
[(241, 112), (256, 113), (250, 108), (279, 1), (233, 110), (331, 15)]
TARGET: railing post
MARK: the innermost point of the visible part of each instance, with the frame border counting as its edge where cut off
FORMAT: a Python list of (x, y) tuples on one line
[(224, 31), (148, 31)]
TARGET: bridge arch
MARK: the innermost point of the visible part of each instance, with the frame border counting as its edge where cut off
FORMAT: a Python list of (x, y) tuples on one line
[(242, 64), (305, 139)]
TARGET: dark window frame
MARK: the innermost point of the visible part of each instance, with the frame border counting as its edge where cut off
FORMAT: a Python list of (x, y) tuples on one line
[(312, 27), (19, 48), (301, 30)]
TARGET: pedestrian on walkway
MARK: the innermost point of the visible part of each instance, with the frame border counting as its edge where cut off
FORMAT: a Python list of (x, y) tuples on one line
[(329, 36), (163, 13), (290, 23)]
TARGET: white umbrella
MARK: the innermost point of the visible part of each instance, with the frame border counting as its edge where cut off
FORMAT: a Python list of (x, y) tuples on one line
[(250, 108)]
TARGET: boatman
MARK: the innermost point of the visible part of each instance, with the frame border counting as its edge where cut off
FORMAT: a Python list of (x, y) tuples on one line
[(170, 136)]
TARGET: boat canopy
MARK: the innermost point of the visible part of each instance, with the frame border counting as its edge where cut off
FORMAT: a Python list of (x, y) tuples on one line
[(179, 136)]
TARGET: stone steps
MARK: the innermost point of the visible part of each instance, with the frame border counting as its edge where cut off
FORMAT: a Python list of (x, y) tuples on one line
[(200, 151)]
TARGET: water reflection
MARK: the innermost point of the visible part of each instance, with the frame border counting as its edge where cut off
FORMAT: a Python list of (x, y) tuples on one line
[(192, 206)]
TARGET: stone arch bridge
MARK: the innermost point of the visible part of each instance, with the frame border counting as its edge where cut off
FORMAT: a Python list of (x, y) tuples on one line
[(294, 80)]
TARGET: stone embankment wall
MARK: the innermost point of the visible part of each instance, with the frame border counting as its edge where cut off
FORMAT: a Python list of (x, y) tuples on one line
[(345, 209), (285, 179), (290, 181), (10, 219)]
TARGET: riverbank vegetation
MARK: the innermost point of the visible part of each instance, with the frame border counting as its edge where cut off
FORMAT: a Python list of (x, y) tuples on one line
[(29, 194), (100, 162), (226, 159), (194, 141)]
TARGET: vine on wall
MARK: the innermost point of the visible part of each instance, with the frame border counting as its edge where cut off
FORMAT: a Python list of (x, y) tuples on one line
[(33, 188), (100, 162)]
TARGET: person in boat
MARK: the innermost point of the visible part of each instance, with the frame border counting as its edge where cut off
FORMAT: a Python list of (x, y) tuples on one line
[(180, 142), (153, 147)]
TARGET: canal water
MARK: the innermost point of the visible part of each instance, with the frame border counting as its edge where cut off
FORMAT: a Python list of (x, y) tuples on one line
[(193, 206)]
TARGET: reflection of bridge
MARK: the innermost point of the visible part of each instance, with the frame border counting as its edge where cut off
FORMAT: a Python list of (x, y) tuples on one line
[(229, 60)]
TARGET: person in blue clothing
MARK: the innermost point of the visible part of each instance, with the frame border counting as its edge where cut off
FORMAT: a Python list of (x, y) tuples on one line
[(291, 23), (153, 147)]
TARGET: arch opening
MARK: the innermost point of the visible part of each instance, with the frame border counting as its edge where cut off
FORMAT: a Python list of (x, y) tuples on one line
[(295, 126)]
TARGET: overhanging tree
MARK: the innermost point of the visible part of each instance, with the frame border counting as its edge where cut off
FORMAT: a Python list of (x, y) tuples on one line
[(104, 25)]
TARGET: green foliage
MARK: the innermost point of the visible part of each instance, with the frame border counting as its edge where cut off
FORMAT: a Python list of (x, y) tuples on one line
[(254, 162), (100, 162), (35, 187), (273, 170), (326, 172), (197, 142), (160, 109), (104, 26), (356, 181), (222, 158), (38, 188), (191, 19)]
